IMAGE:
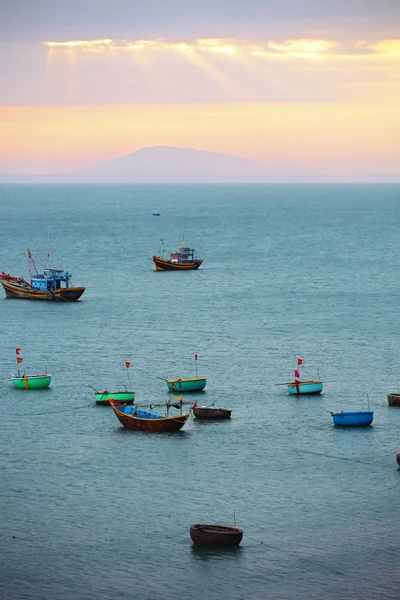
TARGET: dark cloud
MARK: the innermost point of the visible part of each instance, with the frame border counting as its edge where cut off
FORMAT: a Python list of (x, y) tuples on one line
[(66, 19)]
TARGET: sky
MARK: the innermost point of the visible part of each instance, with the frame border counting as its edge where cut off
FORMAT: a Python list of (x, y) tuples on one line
[(306, 88)]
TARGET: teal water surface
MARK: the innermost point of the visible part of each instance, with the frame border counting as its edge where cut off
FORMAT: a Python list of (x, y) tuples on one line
[(90, 510)]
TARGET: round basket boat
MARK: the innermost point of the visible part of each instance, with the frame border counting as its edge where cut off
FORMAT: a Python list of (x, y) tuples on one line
[(216, 536), (211, 412), (394, 399)]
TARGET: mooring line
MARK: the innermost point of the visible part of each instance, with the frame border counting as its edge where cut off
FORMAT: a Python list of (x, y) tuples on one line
[(54, 412), (296, 555)]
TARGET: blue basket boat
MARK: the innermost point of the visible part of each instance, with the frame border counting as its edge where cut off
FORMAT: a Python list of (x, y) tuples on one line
[(355, 418)]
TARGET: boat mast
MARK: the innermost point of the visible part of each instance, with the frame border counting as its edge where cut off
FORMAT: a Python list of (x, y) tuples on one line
[(31, 264), (127, 365), (195, 362)]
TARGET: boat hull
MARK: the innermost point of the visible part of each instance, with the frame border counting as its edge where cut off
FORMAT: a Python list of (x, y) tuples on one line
[(208, 412), (215, 536), (32, 382), (125, 397), (398, 458), (156, 424), (360, 418), (166, 265), (196, 384), (305, 387), (394, 399), (23, 291)]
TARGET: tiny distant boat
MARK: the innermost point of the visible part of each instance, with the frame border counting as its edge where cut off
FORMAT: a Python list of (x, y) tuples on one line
[(357, 418), (394, 399), (217, 536), (398, 458), (156, 214), (211, 412), (183, 260), (31, 382), (52, 284), (102, 398), (298, 387), (132, 417)]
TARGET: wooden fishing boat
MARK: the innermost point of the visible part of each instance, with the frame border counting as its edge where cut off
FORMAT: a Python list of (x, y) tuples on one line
[(52, 284), (102, 398), (31, 382), (193, 384), (217, 536), (357, 418), (211, 412), (394, 399), (183, 260), (305, 387), (137, 419)]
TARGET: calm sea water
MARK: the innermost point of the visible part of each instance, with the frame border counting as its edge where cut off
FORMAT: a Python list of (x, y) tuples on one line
[(90, 510)]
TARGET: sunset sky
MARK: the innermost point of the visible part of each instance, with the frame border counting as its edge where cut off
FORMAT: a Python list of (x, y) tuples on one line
[(309, 87)]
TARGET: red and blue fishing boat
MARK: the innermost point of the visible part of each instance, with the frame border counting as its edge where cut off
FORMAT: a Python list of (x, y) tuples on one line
[(183, 260), (52, 284)]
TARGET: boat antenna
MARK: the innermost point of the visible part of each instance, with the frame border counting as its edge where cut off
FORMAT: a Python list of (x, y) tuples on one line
[(162, 248), (195, 362), (368, 401)]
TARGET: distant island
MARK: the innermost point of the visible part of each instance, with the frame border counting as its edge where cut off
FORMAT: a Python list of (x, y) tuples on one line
[(168, 164)]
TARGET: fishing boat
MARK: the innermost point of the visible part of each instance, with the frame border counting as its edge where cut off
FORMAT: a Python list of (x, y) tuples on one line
[(126, 396), (217, 536), (191, 384), (156, 214), (137, 419), (52, 284), (211, 412), (398, 458), (298, 387), (183, 260), (394, 399), (357, 418), (31, 382), (194, 384), (102, 398)]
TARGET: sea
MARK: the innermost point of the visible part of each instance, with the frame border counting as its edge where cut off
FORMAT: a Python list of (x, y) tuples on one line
[(89, 510)]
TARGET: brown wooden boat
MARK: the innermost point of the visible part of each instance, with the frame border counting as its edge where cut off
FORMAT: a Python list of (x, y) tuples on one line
[(398, 458), (394, 399), (217, 536), (211, 412), (137, 419), (183, 260)]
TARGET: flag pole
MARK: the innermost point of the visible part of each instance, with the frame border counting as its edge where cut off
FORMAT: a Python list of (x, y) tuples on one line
[(195, 362), (129, 379)]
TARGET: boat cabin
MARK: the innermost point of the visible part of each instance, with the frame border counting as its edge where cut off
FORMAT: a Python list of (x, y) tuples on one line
[(50, 279), (183, 256)]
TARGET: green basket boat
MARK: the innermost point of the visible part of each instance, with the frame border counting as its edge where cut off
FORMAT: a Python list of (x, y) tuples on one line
[(31, 382), (104, 397), (195, 384)]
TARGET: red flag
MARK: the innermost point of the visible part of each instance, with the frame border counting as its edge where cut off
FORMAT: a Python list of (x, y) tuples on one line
[(17, 350), (297, 374), (172, 387), (299, 360), (48, 254), (19, 360), (195, 357), (194, 405), (127, 364)]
